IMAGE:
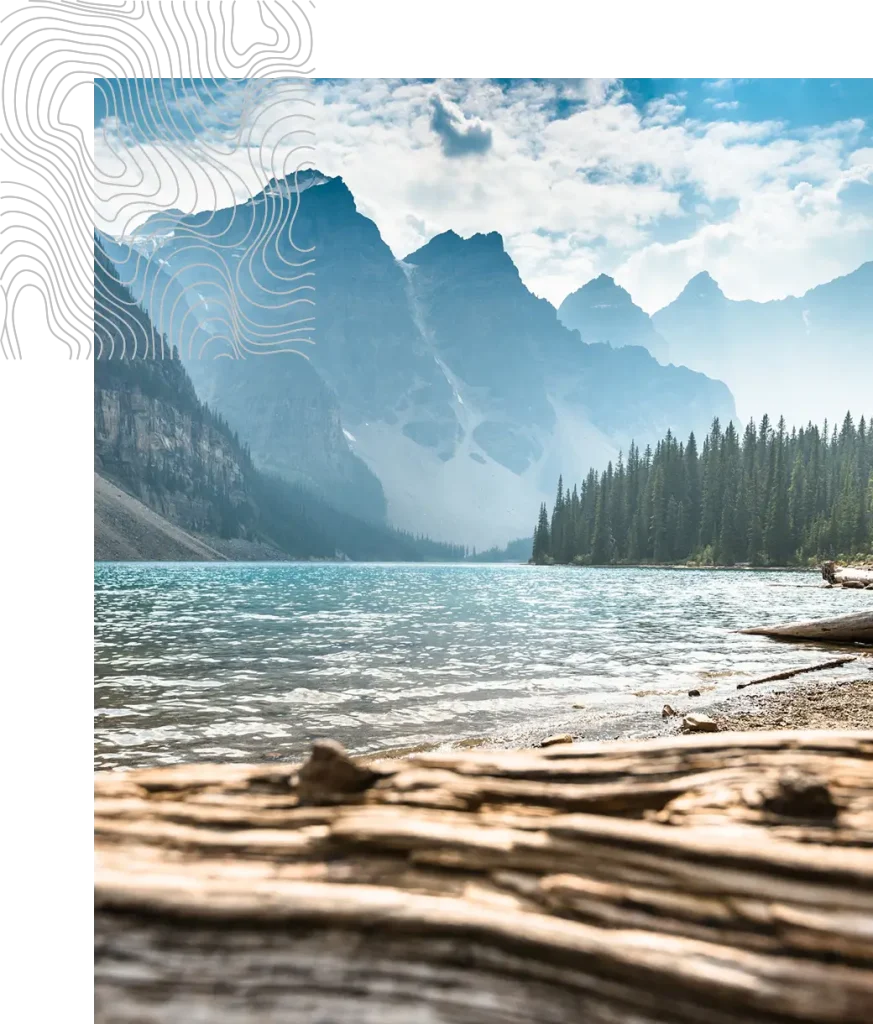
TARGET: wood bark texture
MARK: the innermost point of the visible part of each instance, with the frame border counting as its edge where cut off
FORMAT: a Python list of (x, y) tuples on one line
[(715, 879)]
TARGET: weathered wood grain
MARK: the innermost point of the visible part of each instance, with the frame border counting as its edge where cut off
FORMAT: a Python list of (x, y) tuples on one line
[(711, 879)]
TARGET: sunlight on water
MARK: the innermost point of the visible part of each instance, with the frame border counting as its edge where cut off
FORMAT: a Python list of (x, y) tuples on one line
[(243, 661)]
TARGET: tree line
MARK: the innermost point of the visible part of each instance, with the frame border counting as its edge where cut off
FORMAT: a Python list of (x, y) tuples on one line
[(766, 497)]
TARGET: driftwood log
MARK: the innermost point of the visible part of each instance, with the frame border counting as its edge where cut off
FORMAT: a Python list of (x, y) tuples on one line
[(719, 879), (792, 672), (856, 628)]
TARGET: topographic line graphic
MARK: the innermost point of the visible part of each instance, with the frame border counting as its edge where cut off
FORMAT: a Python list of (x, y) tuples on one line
[(207, 179)]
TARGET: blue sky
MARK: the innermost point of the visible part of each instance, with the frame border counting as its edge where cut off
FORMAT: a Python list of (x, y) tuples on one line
[(799, 102), (766, 184), (161, 108)]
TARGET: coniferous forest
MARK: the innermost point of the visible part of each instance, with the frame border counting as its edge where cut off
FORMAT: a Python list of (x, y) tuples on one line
[(766, 497)]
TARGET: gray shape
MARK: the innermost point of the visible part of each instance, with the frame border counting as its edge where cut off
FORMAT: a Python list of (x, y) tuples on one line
[(455, 140), (54, 153)]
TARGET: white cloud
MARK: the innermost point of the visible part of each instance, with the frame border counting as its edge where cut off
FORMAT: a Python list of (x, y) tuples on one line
[(207, 156), (780, 241), (651, 196), (723, 83), (664, 110)]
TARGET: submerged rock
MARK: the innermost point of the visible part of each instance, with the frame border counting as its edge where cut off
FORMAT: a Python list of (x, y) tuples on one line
[(667, 711), (694, 693)]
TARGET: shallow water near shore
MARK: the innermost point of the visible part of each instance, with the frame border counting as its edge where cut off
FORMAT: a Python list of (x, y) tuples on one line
[(242, 662)]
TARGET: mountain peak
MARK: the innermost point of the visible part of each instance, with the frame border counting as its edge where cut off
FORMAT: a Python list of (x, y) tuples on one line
[(702, 286), (492, 239), (295, 182), (599, 292), (450, 245), (603, 311), (603, 288)]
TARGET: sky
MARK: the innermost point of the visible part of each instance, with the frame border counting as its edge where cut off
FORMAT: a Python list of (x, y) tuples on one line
[(765, 184)]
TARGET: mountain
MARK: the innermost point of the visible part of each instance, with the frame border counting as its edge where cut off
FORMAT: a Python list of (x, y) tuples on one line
[(238, 310), (461, 392), (799, 354), (174, 481), (601, 310), (127, 530), (530, 396)]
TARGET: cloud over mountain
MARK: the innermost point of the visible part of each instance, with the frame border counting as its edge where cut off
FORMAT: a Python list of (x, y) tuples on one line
[(455, 139)]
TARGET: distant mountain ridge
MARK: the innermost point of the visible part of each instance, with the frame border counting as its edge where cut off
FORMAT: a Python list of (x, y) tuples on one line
[(460, 393), (602, 310), (824, 336)]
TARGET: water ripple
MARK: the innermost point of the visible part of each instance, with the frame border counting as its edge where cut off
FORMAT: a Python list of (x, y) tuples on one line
[(237, 661)]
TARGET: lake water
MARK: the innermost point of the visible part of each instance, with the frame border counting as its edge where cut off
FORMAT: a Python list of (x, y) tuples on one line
[(236, 662)]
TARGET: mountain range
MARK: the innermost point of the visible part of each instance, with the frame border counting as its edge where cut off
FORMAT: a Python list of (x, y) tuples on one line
[(800, 355), (435, 393), (792, 354)]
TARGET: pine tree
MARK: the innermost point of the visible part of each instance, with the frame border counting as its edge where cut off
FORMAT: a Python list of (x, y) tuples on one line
[(601, 545), (771, 497), (692, 495), (777, 534), (542, 540)]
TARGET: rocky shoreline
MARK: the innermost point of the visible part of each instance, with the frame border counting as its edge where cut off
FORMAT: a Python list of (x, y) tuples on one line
[(838, 698), (832, 702), (844, 704), (852, 575)]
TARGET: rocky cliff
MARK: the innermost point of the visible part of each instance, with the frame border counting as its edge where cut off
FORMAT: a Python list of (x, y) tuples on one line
[(233, 290), (290, 421), (166, 450), (173, 479)]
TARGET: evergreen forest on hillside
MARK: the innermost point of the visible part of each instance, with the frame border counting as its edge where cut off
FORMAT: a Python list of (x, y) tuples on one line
[(515, 551), (766, 497)]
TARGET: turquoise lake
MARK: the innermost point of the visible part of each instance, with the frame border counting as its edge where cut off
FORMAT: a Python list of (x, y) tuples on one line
[(242, 661)]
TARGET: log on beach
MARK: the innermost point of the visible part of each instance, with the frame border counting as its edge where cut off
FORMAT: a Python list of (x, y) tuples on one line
[(856, 628), (847, 575), (792, 672), (717, 879)]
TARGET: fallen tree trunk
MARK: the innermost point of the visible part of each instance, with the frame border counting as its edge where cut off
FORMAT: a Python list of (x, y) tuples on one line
[(719, 879), (859, 575), (856, 628), (842, 575)]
